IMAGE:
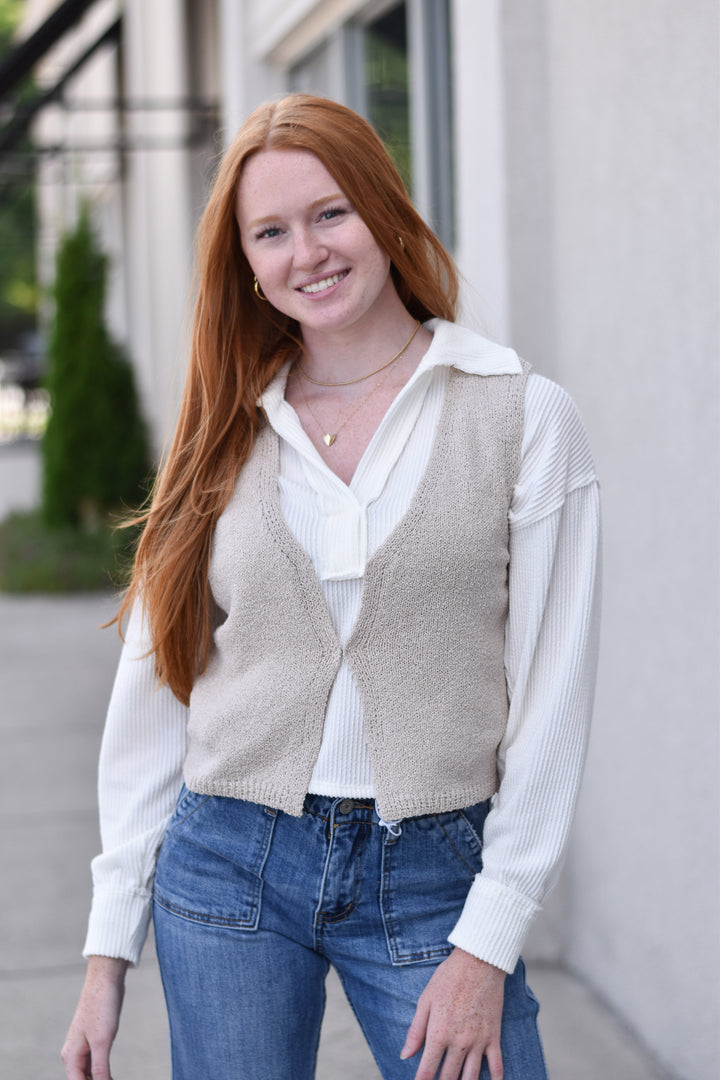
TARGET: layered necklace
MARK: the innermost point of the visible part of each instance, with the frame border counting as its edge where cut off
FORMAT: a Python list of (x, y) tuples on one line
[(329, 437)]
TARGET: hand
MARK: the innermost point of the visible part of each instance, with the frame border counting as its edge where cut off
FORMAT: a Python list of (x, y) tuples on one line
[(86, 1052), (459, 1015)]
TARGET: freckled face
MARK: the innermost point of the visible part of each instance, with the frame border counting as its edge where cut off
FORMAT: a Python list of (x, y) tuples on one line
[(313, 255)]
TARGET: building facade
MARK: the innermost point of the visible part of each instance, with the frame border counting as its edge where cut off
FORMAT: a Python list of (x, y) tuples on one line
[(567, 153)]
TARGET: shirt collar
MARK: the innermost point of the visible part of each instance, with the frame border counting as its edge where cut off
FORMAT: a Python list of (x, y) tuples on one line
[(454, 346)]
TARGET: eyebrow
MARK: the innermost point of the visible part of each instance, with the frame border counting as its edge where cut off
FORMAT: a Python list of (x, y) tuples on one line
[(313, 206)]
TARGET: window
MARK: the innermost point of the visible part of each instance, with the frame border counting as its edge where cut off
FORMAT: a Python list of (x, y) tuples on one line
[(392, 64), (401, 80), (313, 75), (387, 96), (432, 118)]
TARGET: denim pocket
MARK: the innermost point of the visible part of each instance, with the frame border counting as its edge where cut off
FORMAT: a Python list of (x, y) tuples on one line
[(187, 803), (212, 858), (426, 874)]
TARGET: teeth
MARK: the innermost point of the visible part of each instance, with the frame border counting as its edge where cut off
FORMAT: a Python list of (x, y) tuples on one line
[(318, 286)]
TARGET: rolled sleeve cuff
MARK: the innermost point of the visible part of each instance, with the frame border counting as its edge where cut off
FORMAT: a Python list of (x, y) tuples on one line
[(494, 923), (118, 925)]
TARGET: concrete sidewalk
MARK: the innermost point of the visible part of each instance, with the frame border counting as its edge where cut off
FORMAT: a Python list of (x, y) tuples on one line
[(56, 671)]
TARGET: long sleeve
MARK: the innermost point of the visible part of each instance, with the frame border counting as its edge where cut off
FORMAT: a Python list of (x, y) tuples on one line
[(140, 776), (550, 657)]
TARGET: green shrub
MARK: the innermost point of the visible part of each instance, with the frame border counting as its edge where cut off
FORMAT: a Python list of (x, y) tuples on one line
[(95, 451), (34, 558)]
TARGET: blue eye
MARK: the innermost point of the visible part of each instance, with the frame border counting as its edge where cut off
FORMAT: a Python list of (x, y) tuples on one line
[(332, 212), (269, 233)]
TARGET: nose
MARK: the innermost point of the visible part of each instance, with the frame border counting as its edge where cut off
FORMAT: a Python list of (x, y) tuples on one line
[(309, 250)]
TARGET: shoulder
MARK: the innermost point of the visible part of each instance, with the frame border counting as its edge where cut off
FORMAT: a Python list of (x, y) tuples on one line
[(556, 457), (550, 412)]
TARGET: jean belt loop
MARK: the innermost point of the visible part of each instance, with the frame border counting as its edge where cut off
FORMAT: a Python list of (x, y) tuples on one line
[(394, 828)]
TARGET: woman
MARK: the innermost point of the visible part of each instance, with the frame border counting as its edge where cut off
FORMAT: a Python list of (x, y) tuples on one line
[(360, 658)]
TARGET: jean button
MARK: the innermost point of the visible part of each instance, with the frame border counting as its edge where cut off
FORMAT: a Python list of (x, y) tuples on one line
[(345, 806)]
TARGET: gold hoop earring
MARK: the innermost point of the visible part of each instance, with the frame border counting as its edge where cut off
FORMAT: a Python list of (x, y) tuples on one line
[(256, 287), (401, 242)]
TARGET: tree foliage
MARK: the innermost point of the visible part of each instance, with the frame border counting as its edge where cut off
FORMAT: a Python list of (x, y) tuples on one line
[(95, 451), (10, 15)]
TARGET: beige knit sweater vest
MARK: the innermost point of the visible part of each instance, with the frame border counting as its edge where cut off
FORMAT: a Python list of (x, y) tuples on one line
[(426, 650)]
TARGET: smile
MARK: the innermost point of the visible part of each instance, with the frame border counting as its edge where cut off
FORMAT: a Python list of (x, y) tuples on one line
[(318, 286)]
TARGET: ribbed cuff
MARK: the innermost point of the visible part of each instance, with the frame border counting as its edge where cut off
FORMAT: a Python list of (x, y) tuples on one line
[(494, 923), (118, 925)]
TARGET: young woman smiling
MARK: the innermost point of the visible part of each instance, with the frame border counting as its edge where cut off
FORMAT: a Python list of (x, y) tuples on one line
[(350, 716)]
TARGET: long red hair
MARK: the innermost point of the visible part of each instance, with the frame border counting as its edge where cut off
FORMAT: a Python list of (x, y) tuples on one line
[(238, 345)]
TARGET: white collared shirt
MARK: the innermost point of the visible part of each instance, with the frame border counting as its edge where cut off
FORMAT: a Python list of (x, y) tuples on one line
[(550, 653)]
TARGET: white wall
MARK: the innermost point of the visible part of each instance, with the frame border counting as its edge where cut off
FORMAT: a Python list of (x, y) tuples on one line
[(614, 217), (159, 213), (478, 96), (247, 79)]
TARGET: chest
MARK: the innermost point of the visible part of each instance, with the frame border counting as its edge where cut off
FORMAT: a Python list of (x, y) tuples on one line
[(341, 423), (454, 521)]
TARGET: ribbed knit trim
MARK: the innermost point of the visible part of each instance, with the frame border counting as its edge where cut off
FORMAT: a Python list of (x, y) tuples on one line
[(494, 923), (119, 925)]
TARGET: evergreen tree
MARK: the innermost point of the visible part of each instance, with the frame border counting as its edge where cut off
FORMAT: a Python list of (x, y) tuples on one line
[(95, 451)]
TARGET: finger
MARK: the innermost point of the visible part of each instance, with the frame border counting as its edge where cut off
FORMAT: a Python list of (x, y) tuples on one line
[(473, 1065), (76, 1061), (82, 1065), (452, 1064), (495, 1062), (417, 1030), (79, 1071), (430, 1062), (75, 1072), (101, 1069)]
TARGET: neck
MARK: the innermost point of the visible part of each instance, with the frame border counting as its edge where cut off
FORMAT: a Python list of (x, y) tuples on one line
[(355, 351)]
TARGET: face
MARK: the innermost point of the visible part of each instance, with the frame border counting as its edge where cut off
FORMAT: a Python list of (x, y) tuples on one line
[(313, 255)]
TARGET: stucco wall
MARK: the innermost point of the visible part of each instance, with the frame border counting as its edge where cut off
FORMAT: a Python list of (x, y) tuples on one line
[(480, 182), (613, 214), (159, 217)]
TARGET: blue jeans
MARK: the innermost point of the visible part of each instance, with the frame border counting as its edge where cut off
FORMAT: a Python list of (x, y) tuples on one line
[(252, 905)]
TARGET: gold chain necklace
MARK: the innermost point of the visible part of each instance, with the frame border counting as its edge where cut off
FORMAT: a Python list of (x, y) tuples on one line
[(351, 382), (329, 437)]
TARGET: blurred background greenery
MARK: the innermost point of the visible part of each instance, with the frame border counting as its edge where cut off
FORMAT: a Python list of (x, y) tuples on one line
[(18, 286), (67, 384)]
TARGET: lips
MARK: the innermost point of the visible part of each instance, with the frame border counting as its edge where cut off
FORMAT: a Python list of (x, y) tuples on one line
[(325, 283)]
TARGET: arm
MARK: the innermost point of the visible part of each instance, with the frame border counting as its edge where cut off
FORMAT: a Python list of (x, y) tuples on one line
[(550, 655), (140, 776), (141, 761), (551, 661)]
